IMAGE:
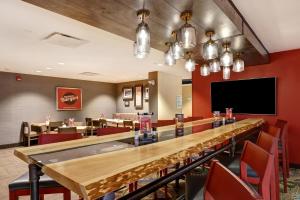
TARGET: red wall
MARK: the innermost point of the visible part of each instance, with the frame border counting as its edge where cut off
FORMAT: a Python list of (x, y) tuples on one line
[(286, 67)]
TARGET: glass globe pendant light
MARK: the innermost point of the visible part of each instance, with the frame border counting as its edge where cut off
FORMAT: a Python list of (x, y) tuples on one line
[(204, 70), (178, 52), (187, 31), (238, 64), (169, 57), (142, 35), (136, 54), (214, 66), (227, 56), (210, 48), (226, 73), (190, 63)]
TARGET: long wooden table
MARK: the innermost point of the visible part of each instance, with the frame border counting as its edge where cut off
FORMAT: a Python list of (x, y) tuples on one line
[(93, 175)]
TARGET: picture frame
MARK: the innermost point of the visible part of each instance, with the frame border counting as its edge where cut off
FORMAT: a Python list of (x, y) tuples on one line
[(146, 93), (138, 97), (68, 98), (127, 93)]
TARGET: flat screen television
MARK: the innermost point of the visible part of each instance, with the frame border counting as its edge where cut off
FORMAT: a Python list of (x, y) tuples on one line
[(251, 96)]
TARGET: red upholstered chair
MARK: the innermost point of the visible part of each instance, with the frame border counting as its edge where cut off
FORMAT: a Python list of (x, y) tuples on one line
[(21, 186), (112, 130), (222, 184), (262, 162), (284, 150)]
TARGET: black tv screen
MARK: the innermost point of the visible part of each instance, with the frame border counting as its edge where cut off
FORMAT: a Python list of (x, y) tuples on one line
[(252, 96)]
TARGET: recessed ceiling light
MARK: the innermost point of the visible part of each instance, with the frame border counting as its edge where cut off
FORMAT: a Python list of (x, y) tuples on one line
[(49, 68), (159, 64), (38, 71), (61, 63)]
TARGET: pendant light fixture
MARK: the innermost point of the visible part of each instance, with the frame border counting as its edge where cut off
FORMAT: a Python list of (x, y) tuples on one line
[(169, 57), (226, 73), (178, 52), (142, 34), (187, 31), (238, 64), (190, 63), (227, 56), (210, 48), (139, 55), (214, 65), (204, 70)]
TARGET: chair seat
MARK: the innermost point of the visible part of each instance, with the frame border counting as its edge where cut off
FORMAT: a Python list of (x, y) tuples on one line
[(22, 182), (32, 134), (234, 165)]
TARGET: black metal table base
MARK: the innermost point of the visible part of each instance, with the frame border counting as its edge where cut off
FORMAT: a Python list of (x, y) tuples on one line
[(34, 178)]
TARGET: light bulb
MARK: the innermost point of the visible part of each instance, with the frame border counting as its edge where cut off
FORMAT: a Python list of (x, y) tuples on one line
[(169, 57), (226, 73), (226, 59), (204, 70), (238, 65), (177, 50), (188, 36), (190, 65), (210, 50), (142, 39), (214, 66)]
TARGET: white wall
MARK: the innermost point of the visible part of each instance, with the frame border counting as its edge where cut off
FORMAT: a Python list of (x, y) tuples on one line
[(187, 100), (169, 86)]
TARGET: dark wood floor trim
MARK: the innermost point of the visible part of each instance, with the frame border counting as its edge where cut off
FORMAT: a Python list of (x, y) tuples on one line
[(5, 146)]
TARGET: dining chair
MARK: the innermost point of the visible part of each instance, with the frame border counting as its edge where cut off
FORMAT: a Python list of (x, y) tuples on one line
[(222, 184), (67, 130), (128, 123), (28, 134), (53, 126), (103, 123), (21, 185)]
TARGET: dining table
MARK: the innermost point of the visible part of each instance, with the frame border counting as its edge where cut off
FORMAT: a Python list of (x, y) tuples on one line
[(94, 166)]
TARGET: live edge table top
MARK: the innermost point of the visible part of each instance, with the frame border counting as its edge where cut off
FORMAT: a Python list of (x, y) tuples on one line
[(94, 166)]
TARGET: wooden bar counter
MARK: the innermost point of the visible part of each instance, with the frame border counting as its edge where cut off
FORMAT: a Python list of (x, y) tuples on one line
[(94, 175)]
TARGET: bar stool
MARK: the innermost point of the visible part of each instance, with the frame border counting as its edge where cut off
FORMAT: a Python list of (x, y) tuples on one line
[(284, 150), (21, 185), (231, 187)]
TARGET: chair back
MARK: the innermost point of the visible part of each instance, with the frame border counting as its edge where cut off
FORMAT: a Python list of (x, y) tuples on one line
[(25, 128), (270, 144), (128, 123), (103, 122), (54, 125), (96, 123), (274, 131), (88, 121), (53, 138), (67, 130), (262, 162), (222, 184), (112, 130), (282, 124)]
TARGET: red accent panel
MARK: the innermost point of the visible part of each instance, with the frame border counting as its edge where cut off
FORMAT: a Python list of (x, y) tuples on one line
[(112, 130), (286, 67), (61, 137)]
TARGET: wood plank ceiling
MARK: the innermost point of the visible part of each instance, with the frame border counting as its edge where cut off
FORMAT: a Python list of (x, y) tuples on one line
[(119, 17)]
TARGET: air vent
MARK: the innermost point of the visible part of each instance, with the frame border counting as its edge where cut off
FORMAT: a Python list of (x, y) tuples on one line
[(89, 74), (64, 40)]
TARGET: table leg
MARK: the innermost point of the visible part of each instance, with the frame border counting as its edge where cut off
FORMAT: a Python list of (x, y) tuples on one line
[(233, 147), (34, 177)]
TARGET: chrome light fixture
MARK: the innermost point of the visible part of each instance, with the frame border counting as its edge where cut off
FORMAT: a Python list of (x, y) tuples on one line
[(177, 47), (169, 57), (187, 31), (190, 63), (210, 48), (227, 56), (238, 64), (204, 70), (214, 66), (142, 35), (226, 73)]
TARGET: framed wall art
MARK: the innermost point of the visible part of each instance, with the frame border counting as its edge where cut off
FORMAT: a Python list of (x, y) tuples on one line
[(127, 93), (68, 98), (138, 96)]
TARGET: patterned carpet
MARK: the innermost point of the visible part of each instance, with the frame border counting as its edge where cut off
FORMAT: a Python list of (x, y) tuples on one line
[(293, 186)]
